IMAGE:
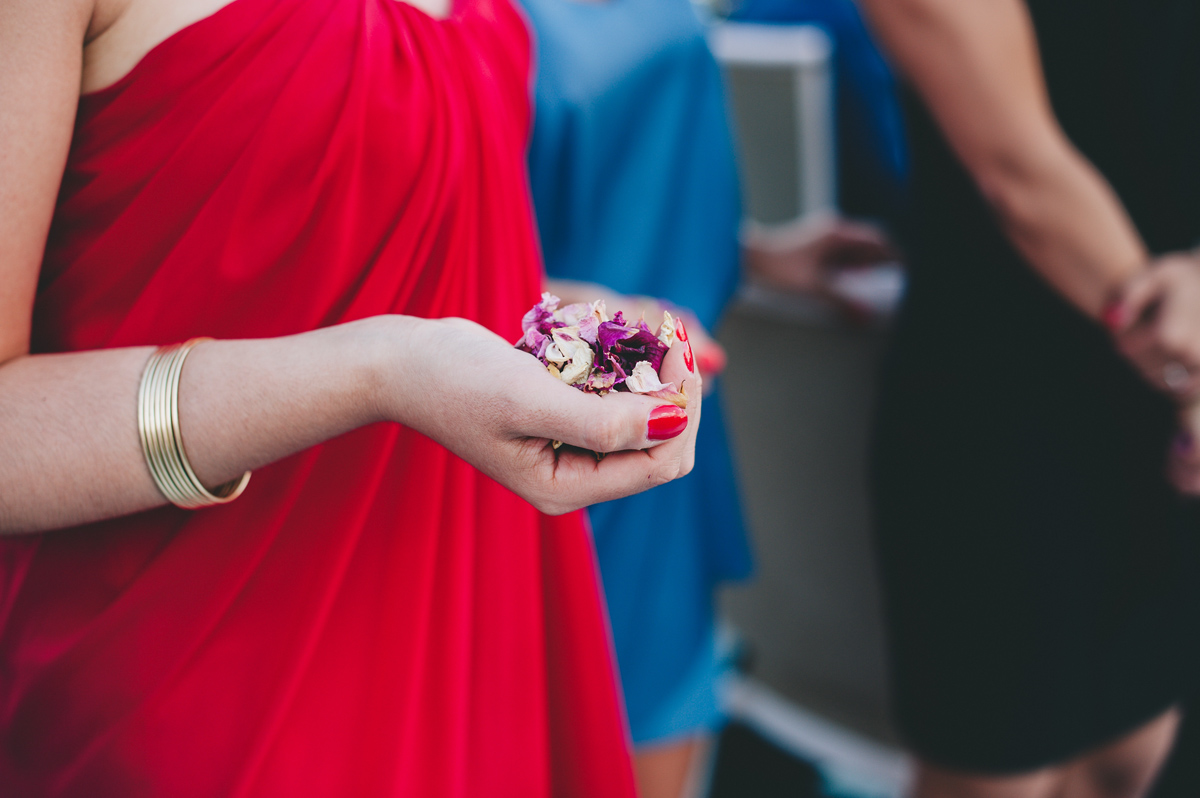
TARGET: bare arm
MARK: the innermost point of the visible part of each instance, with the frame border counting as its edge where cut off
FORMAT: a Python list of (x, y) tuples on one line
[(976, 65), (69, 446)]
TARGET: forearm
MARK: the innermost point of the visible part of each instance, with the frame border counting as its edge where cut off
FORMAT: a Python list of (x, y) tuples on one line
[(1065, 219), (977, 68), (70, 452)]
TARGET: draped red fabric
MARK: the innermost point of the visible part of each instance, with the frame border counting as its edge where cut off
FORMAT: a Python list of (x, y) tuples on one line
[(373, 617)]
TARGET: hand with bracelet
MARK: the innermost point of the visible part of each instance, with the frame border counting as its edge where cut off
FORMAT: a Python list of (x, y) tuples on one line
[(331, 190), (70, 442)]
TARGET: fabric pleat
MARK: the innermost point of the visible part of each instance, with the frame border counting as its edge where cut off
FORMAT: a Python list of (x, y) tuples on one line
[(373, 617)]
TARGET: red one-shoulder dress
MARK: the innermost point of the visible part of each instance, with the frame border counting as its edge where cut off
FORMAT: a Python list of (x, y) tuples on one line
[(373, 617)]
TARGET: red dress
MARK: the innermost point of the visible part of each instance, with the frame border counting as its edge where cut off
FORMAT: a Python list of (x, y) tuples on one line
[(373, 617)]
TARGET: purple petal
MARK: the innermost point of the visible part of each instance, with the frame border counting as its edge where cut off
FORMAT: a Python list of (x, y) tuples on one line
[(610, 332), (589, 329), (534, 343), (540, 312)]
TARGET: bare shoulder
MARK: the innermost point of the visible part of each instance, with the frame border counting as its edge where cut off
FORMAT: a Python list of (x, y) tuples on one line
[(123, 31), (41, 50)]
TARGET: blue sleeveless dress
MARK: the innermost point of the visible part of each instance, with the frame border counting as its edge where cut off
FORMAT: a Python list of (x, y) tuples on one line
[(635, 187)]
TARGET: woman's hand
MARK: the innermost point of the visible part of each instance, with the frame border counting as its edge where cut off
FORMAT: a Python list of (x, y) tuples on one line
[(800, 257), (1156, 323), (499, 409), (806, 257), (710, 355), (1183, 464)]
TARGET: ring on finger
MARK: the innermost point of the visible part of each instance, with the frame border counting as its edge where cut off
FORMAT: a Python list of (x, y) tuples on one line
[(1176, 376)]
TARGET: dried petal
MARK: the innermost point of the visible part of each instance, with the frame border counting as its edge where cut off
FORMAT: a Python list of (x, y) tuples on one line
[(644, 379), (581, 346), (534, 342), (666, 331), (571, 314), (611, 332), (601, 381), (600, 310), (669, 394), (541, 312), (571, 354), (589, 328)]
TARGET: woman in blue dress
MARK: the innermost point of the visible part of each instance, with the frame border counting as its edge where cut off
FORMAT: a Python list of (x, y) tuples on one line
[(636, 191)]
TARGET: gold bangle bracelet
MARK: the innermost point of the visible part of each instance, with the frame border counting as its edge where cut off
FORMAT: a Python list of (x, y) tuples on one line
[(162, 438)]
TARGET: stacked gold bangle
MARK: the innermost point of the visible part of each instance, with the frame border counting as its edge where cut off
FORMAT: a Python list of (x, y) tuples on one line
[(162, 442)]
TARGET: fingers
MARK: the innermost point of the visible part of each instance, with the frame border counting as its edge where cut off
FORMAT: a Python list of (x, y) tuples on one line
[(549, 409), (711, 359), (1156, 325), (578, 479), (1137, 299), (1183, 465), (615, 422), (856, 244), (710, 355), (679, 367)]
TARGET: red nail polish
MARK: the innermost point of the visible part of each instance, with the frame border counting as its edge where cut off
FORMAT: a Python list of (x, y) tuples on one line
[(680, 331), (1111, 316), (688, 360), (710, 361), (666, 421)]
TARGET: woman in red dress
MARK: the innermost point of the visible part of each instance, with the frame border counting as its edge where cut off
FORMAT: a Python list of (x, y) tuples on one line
[(320, 185)]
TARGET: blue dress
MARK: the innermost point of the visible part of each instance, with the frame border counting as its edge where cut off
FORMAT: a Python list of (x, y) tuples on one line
[(635, 187), (872, 150)]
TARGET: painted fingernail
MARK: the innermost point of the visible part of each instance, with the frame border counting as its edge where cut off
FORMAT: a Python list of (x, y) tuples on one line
[(681, 331), (1111, 316), (688, 360), (711, 361), (1183, 443), (666, 421)]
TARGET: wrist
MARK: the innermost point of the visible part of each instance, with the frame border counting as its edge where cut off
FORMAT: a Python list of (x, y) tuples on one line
[(379, 363)]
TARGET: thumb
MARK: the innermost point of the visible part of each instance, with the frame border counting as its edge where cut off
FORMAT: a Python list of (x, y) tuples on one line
[(615, 422)]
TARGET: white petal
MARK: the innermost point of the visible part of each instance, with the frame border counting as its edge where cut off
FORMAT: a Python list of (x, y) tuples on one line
[(644, 379), (666, 332)]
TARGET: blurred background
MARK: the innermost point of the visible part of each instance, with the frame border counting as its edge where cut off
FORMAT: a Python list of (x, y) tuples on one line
[(818, 133)]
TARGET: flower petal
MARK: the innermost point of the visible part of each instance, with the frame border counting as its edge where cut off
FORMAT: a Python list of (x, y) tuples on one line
[(540, 312), (644, 379), (666, 330)]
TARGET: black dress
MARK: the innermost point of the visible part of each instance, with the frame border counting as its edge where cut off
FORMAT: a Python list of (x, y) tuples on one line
[(1038, 569)]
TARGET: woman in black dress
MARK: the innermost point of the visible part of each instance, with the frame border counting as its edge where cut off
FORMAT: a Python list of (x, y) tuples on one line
[(1037, 562)]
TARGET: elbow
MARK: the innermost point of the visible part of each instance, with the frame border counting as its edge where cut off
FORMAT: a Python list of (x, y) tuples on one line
[(1015, 181)]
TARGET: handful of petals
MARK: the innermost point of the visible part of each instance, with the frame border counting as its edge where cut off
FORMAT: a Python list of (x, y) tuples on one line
[(583, 347)]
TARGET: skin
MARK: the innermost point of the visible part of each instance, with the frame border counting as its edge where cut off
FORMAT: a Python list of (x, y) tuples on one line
[(976, 66), (802, 256), (1156, 323), (69, 446), (798, 259), (669, 770)]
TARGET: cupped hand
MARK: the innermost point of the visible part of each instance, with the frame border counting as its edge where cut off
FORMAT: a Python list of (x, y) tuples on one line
[(710, 355), (1156, 323), (499, 409)]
